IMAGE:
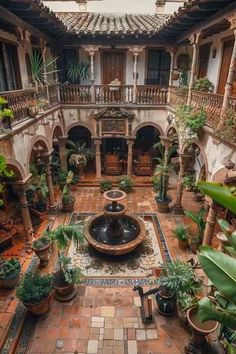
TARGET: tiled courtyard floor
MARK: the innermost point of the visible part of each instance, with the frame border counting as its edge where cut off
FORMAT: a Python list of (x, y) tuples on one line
[(106, 320)]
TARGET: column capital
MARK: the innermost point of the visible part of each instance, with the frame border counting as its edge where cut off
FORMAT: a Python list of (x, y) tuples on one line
[(136, 50), (97, 142), (62, 139), (172, 49), (194, 38), (232, 20), (47, 156), (130, 142), (91, 49)]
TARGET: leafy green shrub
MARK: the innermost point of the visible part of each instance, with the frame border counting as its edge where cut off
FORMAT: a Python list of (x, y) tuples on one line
[(105, 185), (125, 183), (181, 232), (33, 288), (9, 267), (188, 181), (203, 84), (190, 117), (41, 242), (71, 274), (178, 278)]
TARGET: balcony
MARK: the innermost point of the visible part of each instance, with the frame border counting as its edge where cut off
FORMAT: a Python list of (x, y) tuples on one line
[(142, 95)]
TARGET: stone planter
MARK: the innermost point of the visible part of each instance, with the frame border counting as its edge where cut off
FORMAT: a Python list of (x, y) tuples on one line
[(11, 281), (43, 254), (33, 111), (41, 307)]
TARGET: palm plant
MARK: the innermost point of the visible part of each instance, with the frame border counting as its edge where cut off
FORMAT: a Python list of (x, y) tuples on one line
[(40, 69), (78, 71), (161, 151), (39, 188), (198, 218), (79, 155)]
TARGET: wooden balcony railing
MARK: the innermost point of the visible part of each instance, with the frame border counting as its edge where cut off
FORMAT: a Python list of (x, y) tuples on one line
[(105, 94), (75, 94), (18, 102), (156, 95), (212, 103)]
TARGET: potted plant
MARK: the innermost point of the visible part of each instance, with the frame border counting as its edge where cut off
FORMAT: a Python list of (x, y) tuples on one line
[(105, 185), (162, 199), (203, 84), (6, 114), (68, 200), (125, 183), (67, 277), (4, 172), (35, 291), (181, 233), (79, 155), (40, 189), (189, 120), (42, 249), (33, 108), (198, 195), (177, 278), (156, 183), (188, 183), (9, 273), (198, 218)]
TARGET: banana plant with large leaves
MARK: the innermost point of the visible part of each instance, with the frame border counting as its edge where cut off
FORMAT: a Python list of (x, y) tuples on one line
[(218, 266)]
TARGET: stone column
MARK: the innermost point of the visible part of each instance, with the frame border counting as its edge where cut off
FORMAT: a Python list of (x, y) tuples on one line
[(136, 50), (130, 157), (20, 190), (177, 207), (51, 199), (62, 152), (230, 77), (194, 41), (210, 223), (91, 50), (98, 144)]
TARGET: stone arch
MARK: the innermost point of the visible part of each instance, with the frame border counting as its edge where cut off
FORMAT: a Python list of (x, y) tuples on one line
[(78, 124), (18, 170), (37, 140), (152, 124), (57, 131)]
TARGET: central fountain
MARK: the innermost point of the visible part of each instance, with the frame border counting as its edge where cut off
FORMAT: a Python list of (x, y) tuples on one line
[(115, 232)]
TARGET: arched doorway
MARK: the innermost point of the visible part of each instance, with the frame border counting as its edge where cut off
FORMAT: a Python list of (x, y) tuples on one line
[(80, 143), (81, 135), (146, 137)]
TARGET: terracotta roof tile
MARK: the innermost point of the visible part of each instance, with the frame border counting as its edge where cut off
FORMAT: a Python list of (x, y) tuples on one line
[(91, 23)]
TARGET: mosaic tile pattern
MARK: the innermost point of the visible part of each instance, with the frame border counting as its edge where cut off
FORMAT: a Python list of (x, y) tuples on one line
[(138, 263)]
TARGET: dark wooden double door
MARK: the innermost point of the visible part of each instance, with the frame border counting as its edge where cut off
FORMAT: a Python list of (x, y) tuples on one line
[(113, 66)]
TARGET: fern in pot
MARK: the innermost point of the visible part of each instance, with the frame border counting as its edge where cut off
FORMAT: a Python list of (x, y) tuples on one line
[(181, 233), (68, 199)]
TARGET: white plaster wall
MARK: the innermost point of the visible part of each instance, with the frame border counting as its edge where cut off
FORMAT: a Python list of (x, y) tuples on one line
[(216, 153), (214, 65), (80, 116)]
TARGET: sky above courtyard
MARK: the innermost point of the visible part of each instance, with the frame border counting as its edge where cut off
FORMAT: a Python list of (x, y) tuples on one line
[(114, 6)]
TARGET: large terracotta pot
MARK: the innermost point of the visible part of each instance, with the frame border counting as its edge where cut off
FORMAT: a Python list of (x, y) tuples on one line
[(199, 330), (163, 205), (183, 245), (43, 254), (62, 290), (41, 307)]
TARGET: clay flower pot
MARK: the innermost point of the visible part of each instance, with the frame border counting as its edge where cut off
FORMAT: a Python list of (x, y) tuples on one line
[(43, 253), (41, 307), (163, 205), (33, 111), (62, 290), (165, 303)]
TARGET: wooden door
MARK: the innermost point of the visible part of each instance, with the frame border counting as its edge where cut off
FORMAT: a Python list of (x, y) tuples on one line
[(113, 66), (204, 54), (226, 58)]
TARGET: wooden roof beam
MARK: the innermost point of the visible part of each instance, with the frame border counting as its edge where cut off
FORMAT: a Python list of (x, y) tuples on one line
[(17, 22), (210, 21)]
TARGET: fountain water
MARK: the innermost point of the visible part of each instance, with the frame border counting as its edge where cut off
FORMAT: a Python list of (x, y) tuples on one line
[(115, 232)]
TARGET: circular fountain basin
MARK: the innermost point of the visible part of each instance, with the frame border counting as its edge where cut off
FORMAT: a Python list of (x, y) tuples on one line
[(97, 236)]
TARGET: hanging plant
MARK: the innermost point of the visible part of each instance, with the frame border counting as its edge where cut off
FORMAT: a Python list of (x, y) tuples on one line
[(189, 117)]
